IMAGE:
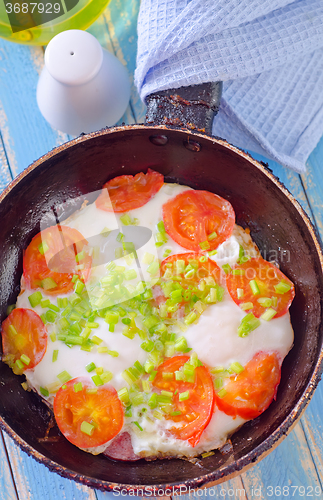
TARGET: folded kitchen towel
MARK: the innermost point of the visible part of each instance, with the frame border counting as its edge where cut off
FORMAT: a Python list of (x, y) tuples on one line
[(268, 53)]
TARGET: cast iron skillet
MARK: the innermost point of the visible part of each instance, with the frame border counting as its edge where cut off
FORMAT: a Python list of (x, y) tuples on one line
[(277, 223)]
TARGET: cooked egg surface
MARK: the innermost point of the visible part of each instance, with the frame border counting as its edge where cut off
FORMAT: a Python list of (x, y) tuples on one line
[(213, 338)]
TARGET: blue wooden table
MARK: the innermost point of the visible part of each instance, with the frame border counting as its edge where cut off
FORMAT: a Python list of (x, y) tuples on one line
[(295, 468)]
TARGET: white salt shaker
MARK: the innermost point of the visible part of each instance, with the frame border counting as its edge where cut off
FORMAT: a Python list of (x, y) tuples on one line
[(82, 87)]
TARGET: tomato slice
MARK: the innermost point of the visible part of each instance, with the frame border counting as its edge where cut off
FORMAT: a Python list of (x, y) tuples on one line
[(101, 410), (251, 392), (23, 333), (194, 412), (195, 218), (58, 246), (186, 279), (271, 284), (128, 192)]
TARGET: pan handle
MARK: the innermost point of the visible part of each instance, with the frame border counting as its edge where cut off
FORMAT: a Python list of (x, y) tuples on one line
[(192, 107)]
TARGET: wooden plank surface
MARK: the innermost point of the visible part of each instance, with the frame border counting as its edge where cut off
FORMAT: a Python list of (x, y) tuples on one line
[(25, 135)]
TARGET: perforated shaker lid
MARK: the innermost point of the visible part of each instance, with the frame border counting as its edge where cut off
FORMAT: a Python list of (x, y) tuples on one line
[(73, 57)]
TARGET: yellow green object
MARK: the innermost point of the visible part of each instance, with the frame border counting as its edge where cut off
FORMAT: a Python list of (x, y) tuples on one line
[(79, 16)]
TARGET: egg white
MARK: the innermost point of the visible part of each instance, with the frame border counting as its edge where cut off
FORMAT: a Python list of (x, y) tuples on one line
[(214, 337)]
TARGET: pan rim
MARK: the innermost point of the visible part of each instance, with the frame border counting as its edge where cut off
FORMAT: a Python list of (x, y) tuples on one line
[(254, 456)]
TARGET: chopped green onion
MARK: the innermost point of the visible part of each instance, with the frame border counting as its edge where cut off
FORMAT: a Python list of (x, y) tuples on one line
[(240, 293), (152, 375), (268, 314), (96, 340), (78, 288), (254, 287), (62, 302), (212, 236), (152, 402), (64, 377), (264, 301), (190, 318), (53, 337), (19, 365), (123, 395), (44, 391), (227, 268), (167, 253), (48, 284), (43, 247), (153, 268), (12, 330), (106, 376), (24, 358), (87, 428), (126, 219), (213, 252), (218, 383), (45, 303), (55, 355), (245, 306), (238, 272), (131, 274), (80, 256), (10, 309), (97, 380), (53, 307), (247, 325), (148, 258), (92, 324), (78, 387), (161, 227), (114, 354), (205, 245), (50, 316), (183, 396), (282, 287), (35, 299), (222, 393), (236, 367)]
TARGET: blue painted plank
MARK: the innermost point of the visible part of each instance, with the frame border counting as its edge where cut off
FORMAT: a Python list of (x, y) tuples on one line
[(26, 134), (7, 485), (35, 482)]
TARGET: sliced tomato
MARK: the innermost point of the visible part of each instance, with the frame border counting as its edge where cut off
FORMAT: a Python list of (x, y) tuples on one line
[(128, 192), (267, 277), (194, 412), (182, 275), (102, 412), (23, 333), (50, 256), (251, 392), (198, 220)]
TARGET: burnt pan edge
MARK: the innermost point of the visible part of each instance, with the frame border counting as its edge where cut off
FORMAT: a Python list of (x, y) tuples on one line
[(229, 470)]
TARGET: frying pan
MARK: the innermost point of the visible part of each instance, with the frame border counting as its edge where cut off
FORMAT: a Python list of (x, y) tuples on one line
[(173, 142)]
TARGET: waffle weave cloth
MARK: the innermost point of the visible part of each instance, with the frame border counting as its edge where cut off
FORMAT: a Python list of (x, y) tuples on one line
[(268, 53)]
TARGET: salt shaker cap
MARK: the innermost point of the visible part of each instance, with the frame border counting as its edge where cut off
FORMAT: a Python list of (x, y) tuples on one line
[(73, 57)]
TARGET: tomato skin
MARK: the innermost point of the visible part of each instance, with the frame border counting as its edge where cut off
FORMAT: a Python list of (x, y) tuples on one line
[(35, 263), (31, 338), (127, 192), (192, 216), (249, 393), (267, 277), (198, 409), (103, 407)]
